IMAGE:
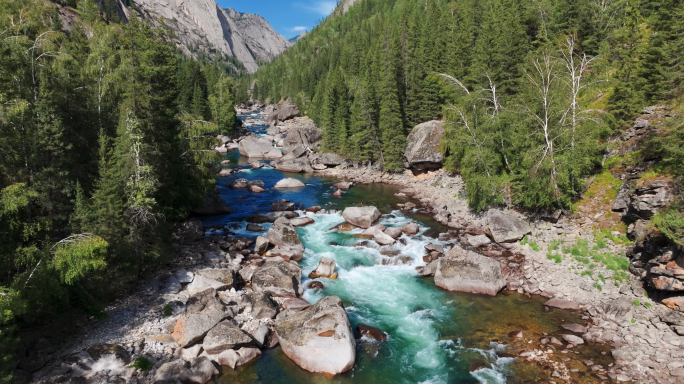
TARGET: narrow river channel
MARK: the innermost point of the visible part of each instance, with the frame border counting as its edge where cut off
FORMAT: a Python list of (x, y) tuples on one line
[(434, 336)]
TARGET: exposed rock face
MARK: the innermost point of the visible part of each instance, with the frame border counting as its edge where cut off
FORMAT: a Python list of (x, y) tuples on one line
[(289, 183), (362, 217), (645, 200), (506, 228), (319, 339), (423, 150), (279, 279), (203, 25), (260, 305), (467, 271), (255, 147), (293, 165), (330, 159)]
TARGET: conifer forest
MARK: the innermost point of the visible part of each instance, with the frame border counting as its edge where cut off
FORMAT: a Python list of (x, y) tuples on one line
[(106, 125)]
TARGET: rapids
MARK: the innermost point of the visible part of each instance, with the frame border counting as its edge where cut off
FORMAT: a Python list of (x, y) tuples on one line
[(434, 336)]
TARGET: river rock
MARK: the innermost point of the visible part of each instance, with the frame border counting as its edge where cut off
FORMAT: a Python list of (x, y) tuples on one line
[(282, 234), (383, 239), (225, 173), (506, 228), (192, 328), (394, 233), (411, 228), (255, 147), (301, 221), (477, 241), (373, 230), (574, 327), (270, 217), (261, 245), (256, 164), (239, 184), (319, 339), (172, 286), (330, 159), (466, 271), (314, 209), (177, 371), (295, 304), (562, 304), (279, 279), (225, 335), (423, 150), (285, 253), (286, 111), (362, 217), (255, 227), (343, 185), (326, 268), (434, 248), (337, 193), (202, 302), (201, 283), (256, 189), (302, 135), (283, 205), (273, 154), (289, 183), (371, 332), (184, 276), (293, 165), (572, 339), (260, 305), (224, 276)]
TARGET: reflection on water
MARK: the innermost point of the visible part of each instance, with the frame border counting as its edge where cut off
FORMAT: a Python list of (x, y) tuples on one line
[(433, 336)]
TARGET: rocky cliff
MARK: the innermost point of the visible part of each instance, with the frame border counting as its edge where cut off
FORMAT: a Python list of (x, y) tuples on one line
[(201, 25)]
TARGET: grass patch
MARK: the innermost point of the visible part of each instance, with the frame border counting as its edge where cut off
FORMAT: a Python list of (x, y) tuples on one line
[(533, 245), (556, 258), (168, 311), (605, 234), (603, 279), (637, 303), (587, 273), (648, 305), (598, 286), (554, 245), (604, 189), (142, 364)]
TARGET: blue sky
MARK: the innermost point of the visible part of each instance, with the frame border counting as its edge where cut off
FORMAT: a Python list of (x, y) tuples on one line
[(287, 17)]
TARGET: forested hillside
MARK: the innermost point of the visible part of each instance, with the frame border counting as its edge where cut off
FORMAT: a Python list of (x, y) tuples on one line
[(100, 129), (531, 90)]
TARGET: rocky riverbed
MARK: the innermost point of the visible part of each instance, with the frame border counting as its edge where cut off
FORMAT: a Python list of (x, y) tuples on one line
[(305, 275)]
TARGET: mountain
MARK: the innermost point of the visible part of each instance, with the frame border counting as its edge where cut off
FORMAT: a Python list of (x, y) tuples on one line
[(298, 37), (201, 25)]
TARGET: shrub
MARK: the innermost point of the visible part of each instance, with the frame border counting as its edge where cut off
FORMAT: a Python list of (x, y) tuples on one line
[(142, 364), (556, 258), (168, 311), (637, 303)]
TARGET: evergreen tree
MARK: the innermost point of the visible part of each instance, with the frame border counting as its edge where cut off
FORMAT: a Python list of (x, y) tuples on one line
[(391, 125)]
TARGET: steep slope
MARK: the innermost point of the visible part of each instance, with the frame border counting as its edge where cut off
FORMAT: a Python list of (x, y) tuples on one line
[(201, 25)]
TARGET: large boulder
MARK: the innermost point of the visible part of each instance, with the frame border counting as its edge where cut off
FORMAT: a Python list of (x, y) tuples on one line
[(466, 271), (506, 228), (225, 335), (224, 276), (260, 305), (423, 150), (319, 339), (270, 217), (204, 301), (362, 217), (289, 183), (198, 370), (286, 111), (192, 328), (304, 136), (293, 165), (282, 234), (330, 159), (255, 147), (278, 279)]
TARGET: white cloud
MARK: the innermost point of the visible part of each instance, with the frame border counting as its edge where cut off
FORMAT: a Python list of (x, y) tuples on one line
[(298, 29), (323, 8)]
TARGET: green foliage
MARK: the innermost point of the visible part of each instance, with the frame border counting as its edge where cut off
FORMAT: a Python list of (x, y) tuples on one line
[(633, 321), (554, 245), (95, 159), (648, 305), (586, 273), (141, 363), (598, 286), (77, 256), (555, 257), (637, 303), (167, 311)]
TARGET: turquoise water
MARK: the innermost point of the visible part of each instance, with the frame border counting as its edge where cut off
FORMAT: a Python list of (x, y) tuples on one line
[(433, 336)]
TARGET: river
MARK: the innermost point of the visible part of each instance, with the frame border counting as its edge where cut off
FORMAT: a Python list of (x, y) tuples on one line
[(434, 336)]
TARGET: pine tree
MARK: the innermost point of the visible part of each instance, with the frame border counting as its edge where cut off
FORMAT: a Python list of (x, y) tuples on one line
[(391, 125)]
